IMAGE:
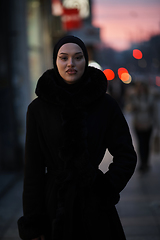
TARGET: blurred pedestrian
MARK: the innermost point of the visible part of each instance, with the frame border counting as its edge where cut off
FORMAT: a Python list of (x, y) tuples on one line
[(69, 127), (116, 89), (143, 108)]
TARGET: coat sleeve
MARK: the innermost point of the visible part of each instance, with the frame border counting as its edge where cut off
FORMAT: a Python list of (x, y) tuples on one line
[(31, 225), (119, 143)]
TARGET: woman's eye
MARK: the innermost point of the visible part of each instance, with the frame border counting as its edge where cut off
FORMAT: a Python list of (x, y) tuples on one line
[(63, 58), (79, 57)]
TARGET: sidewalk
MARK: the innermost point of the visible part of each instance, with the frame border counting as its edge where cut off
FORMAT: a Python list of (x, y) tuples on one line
[(139, 207), (10, 204)]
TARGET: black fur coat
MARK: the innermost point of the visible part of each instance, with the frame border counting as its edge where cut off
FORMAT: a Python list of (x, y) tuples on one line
[(65, 195)]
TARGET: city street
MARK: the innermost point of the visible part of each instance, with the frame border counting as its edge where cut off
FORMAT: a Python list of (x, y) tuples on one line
[(10, 204), (46, 48), (139, 207)]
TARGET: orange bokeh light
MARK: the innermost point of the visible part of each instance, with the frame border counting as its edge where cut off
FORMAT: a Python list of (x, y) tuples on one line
[(137, 54), (110, 75), (125, 77), (121, 71)]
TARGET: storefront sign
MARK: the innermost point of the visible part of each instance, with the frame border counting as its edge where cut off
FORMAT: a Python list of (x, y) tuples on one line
[(71, 19)]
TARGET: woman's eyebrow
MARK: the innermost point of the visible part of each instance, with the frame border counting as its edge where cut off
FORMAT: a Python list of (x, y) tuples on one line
[(63, 53), (79, 53), (74, 53)]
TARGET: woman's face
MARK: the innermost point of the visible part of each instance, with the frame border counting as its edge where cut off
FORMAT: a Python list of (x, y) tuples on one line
[(70, 62)]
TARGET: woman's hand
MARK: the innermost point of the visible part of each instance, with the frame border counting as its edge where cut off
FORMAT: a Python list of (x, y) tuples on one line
[(39, 238)]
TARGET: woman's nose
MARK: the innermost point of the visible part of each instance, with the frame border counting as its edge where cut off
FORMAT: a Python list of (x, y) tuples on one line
[(70, 62)]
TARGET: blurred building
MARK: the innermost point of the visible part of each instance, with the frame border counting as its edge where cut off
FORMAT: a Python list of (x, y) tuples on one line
[(29, 30), (88, 33), (25, 48), (14, 84)]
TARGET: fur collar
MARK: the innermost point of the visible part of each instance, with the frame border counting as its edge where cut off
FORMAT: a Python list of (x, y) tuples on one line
[(94, 88)]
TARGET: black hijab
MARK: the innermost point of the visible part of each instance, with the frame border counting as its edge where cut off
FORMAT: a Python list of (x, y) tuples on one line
[(59, 80)]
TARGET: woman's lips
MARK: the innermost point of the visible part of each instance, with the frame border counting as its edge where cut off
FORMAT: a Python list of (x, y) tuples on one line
[(71, 71)]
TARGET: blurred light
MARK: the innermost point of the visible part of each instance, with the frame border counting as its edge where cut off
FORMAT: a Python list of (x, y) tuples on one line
[(137, 54), (94, 64), (121, 71), (57, 8), (81, 5), (126, 78), (110, 75), (158, 81), (142, 63)]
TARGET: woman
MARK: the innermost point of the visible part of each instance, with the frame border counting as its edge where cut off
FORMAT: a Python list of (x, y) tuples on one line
[(69, 127)]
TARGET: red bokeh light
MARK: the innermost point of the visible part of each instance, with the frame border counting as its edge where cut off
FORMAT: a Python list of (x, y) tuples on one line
[(110, 75), (137, 54), (158, 81), (121, 74)]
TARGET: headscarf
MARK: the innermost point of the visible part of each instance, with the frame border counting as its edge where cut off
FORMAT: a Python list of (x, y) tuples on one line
[(60, 81)]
